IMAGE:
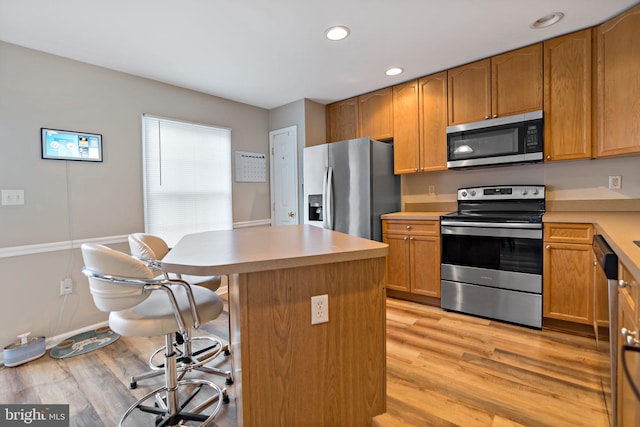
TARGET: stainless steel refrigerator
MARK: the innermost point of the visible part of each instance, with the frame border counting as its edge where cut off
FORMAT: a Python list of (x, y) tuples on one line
[(347, 186)]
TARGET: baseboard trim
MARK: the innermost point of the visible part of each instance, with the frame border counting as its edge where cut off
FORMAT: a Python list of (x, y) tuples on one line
[(256, 223)]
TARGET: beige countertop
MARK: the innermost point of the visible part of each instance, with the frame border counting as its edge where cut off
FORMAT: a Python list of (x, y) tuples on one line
[(619, 229), (255, 249)]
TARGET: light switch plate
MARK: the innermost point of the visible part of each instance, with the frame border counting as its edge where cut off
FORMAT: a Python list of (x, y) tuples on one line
[(12, 197)]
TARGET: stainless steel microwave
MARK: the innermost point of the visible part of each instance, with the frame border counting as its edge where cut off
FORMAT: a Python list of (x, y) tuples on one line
[(512, 139)]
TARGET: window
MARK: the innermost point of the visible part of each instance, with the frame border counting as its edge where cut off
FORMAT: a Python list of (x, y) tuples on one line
[(187, 178)]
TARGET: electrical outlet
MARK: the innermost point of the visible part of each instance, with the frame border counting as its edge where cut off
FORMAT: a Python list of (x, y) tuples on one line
[(615, 182), (432, 190), (319, 309), (66, 286)]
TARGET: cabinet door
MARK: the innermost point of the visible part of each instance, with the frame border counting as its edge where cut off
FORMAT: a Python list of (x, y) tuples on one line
[(398, 261), (433, 122), (628, 407), (405, 125), (469, 92), (567, 96), (516, 81), (568, 282), (375, 114), (425, 265), (568, 233), (342, 120), (618, 85)]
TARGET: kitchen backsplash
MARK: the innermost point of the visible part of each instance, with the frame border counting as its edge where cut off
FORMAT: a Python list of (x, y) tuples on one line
[(565, 180)]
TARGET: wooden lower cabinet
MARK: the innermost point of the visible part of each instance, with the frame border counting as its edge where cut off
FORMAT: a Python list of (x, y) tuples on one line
[(413, 262), (628, 407), (568, 273)]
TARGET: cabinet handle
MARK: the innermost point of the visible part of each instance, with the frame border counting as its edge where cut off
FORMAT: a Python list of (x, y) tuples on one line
[(408, 227), (415, 169), (486, 117), (630, 336), (623, 284), (547, 247), (495, 115), (549, 157), (411, 238), (404, 238)]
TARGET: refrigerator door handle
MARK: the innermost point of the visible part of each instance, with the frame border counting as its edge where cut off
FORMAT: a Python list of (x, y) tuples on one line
[(328, 201), (325, 204)]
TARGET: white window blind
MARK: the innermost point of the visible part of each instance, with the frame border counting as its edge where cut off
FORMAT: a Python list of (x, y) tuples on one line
[(187, 178)]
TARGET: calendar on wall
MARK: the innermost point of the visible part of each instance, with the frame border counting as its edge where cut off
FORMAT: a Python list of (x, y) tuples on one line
[(251, 167)]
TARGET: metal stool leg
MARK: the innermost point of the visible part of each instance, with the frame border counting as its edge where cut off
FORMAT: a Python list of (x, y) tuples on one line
[(167, 408)]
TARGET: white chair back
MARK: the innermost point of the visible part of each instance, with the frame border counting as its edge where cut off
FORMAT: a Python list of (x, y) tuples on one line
[(102, 263), (147, 247)]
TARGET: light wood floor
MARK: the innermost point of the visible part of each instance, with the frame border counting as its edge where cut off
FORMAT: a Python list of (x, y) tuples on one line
[(443, 369)]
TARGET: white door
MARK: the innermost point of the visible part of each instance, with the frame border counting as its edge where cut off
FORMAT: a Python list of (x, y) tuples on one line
[(283, 146)]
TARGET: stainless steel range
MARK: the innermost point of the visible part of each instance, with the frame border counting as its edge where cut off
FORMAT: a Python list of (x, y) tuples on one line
[(492, 254)]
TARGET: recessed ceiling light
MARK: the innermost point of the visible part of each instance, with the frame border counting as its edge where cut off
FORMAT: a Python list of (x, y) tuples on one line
[(336, 33), (394, 71), (547, 21)]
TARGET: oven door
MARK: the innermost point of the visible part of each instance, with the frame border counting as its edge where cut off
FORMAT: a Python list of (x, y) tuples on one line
[(507, 256)]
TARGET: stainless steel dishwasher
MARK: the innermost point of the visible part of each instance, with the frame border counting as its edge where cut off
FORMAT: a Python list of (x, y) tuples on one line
[(608, 261)]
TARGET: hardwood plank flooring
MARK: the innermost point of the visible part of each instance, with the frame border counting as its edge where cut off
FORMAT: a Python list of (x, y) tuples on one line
[(443, 369), (449, 369)]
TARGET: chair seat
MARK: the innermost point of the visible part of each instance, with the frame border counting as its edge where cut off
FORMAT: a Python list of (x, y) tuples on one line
[(155, 316)]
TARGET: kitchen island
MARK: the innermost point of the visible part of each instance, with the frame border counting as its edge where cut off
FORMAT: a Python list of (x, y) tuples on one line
[(286, 370)]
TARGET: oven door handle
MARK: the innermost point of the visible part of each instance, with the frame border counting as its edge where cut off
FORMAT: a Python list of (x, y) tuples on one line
[(491, 231), (518, 225)]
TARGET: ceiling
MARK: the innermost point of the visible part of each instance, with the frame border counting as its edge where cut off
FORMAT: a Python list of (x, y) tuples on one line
[(268, 53)]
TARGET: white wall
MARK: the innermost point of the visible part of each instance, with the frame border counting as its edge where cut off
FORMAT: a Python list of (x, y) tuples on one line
[(74, 201)]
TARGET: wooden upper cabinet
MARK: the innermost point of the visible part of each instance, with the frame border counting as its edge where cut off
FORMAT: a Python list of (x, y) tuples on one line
[(567, 96), (342, 120), (433, 122), (618, 85), (469, 92), (516, 81), (375, 114), (420, 125), (506, 84), (406, 139)]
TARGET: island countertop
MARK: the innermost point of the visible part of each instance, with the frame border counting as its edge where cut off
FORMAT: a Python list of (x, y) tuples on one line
[(254, 249), (288, 370)]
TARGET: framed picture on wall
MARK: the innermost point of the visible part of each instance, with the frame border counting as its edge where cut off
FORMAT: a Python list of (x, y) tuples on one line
[(69, 145)]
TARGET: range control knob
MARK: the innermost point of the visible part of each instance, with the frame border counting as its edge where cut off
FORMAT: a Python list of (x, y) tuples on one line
[(535, 191), (473, 192), (464, 193), (524, 192)]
